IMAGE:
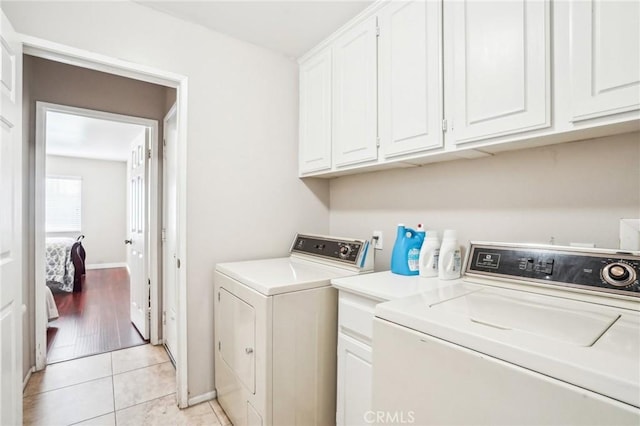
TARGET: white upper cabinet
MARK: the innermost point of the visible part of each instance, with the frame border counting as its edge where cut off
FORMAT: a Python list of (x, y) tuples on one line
[(315, 113), (409, 63), (605, 57), (499, 68), (355, 95)]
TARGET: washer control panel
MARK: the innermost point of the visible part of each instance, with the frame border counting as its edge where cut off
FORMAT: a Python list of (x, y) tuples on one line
[(593, 269), (342, 250)]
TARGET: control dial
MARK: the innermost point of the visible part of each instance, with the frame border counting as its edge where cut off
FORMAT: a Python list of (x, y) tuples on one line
[(345, 251), (618, 274)]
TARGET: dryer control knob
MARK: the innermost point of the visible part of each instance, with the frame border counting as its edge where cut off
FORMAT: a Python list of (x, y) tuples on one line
[(345, 251), (618, 274)]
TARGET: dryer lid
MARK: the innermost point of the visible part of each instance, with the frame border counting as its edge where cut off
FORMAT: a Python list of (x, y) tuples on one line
[(589, 345), (281, 275)]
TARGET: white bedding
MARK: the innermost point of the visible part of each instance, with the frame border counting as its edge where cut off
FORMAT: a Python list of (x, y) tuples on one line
[(52, 309)]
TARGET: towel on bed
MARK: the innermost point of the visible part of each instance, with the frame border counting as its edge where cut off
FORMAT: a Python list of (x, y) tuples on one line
[(59, 266)]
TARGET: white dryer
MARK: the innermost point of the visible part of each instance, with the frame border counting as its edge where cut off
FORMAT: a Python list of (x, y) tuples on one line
[(276, 331), (532, 335)]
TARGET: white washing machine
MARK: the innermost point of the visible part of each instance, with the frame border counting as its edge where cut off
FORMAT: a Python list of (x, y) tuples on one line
[(532, 335), (276, 331)]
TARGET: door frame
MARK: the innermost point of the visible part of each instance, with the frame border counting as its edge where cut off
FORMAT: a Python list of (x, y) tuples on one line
[(163, 208), (82, 58), (151, 239)]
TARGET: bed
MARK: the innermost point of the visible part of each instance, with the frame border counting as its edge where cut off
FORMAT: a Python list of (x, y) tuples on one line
[(65, 259)]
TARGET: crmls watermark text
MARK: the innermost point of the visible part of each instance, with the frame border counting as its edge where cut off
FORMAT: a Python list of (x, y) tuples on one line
[(389, 417)]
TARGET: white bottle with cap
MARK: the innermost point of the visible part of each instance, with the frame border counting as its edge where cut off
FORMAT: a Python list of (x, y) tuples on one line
[(450, 261), (429, 254)]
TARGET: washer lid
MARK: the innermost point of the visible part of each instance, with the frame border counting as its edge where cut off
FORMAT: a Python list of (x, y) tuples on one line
[(281, 275), (592, 346)]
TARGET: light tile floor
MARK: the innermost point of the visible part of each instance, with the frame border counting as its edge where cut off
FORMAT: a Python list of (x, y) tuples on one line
[(134, 386)]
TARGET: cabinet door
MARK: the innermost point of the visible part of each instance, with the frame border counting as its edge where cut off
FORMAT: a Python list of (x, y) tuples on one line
[(605, 57), (499, 68), (355, 95), (410, 108), (354, 382), (236, 337), (315, 113)]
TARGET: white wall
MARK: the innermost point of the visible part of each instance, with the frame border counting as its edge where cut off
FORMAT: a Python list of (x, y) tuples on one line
[(575, 192), (104, 205), (243, 199)]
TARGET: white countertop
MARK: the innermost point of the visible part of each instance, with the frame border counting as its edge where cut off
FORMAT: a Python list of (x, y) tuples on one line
[(384, 286)]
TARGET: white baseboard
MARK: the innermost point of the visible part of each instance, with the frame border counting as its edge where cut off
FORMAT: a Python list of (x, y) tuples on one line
[(106, 265), (202, 398), (27, 377)]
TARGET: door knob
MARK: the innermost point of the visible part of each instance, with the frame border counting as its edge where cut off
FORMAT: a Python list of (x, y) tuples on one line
[(128, 241)]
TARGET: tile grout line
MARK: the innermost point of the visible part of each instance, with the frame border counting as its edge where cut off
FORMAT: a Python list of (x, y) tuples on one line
[(67, 386), (93, 379), (113, 394), (91, 418), (140, 368), (145, 402)]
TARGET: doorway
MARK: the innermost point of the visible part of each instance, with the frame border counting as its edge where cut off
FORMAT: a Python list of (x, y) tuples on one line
[(117, 69), (98, 186)]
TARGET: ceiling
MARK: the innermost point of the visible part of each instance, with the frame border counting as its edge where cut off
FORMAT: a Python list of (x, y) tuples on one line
[(289, 27), (77, 136)]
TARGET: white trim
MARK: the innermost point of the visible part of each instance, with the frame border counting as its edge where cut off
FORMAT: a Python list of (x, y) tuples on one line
[(57, 52), (182, 392), (47, 49), (106, 265), (41, 317), (209, 396), (25, 382)]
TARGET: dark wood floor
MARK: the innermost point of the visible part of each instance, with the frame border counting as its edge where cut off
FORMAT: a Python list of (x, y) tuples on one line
[(95, 320)]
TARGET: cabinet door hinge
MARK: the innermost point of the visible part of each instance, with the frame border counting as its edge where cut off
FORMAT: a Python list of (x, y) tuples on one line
[(218, 296), (378, 142), (164, 317), (219, 346), (444, 125), (149, 153), (377, 30)]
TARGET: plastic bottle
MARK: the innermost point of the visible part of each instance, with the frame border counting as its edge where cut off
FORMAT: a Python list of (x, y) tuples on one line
[(406, 251), (429, 254), (414, 252), (449, 261)]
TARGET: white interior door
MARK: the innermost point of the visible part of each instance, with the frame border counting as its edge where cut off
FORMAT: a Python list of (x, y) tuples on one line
[(10, 226), (137, 231), (170, 232)]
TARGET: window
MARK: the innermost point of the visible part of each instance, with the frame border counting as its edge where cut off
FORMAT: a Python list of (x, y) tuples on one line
[(64, 203)]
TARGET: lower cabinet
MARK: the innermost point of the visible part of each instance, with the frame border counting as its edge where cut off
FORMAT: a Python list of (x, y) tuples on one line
[(355, 336), (354, 382)]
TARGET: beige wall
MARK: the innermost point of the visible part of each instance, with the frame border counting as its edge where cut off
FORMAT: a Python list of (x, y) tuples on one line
[(575, 192), (243, 197), (104, 205)]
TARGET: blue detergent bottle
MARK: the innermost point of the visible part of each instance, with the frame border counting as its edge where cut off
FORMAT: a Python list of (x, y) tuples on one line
[(406, 251)]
